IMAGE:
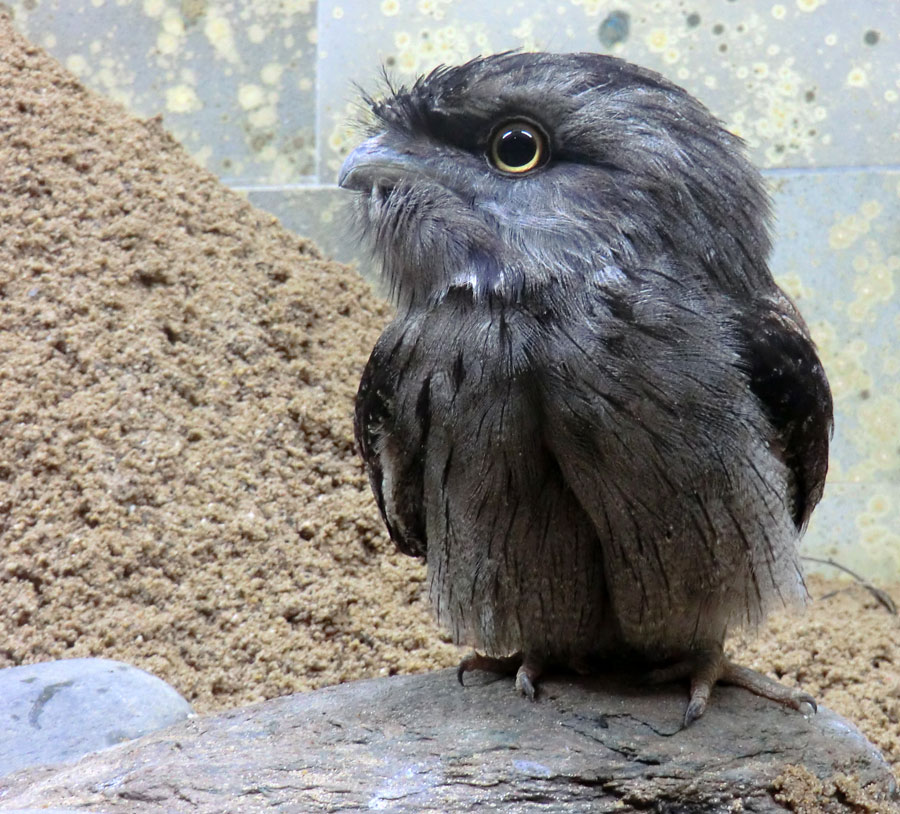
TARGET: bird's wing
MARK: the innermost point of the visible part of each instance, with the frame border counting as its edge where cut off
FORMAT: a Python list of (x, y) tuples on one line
[(788, 379), (650, 420), (393, 460)]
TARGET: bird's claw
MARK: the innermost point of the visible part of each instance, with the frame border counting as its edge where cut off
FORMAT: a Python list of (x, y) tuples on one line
[(527, 670), (804, 703)]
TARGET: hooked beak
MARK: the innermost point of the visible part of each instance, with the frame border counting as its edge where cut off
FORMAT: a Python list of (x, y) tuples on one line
[(374, 164)]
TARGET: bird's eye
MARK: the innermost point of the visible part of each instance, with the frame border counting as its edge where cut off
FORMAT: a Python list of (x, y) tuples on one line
[(518, 147)]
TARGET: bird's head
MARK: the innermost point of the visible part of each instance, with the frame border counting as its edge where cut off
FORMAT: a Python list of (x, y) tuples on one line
[(520, 170)]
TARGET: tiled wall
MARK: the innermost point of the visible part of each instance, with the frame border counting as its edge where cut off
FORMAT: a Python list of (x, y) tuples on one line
[(261, 92)]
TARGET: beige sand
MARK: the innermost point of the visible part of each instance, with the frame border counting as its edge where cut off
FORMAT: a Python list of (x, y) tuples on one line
[(179, 484)]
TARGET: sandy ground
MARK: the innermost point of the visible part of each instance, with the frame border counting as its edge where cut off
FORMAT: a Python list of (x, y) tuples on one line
[(179, 484)]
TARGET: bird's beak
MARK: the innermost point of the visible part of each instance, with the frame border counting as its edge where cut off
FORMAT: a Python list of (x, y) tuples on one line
[(372, 164)]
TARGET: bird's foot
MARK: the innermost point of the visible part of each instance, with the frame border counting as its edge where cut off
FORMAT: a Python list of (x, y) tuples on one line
[(527, 670), (707, 668)]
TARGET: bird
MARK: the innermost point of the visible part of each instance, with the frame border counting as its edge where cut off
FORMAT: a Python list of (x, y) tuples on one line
[(594, 414)]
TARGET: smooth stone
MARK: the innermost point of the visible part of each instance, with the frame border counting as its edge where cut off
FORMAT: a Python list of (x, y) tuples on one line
[(58, 711), (425, 744)]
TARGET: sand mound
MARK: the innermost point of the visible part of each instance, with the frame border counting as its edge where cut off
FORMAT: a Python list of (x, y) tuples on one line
[(180, 487), (179, 484)]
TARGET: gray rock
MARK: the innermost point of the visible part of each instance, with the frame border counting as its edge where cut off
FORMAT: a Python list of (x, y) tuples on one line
[(425, 744), (58, 711)]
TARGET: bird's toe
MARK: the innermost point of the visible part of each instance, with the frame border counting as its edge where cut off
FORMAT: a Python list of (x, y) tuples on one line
[(696, 707), (526, 678), (766, 687), (490, 664)]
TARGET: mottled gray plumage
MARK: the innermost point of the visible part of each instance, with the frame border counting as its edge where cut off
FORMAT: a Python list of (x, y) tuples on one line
[(595, 414)]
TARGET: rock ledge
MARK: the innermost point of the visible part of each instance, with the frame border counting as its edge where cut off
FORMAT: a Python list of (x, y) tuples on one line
[(425, 744)]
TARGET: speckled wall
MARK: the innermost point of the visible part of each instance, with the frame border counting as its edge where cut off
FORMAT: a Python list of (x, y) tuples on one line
[(260, 91)]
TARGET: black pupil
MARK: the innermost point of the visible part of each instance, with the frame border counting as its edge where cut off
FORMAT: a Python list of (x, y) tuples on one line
[(516, 148)]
